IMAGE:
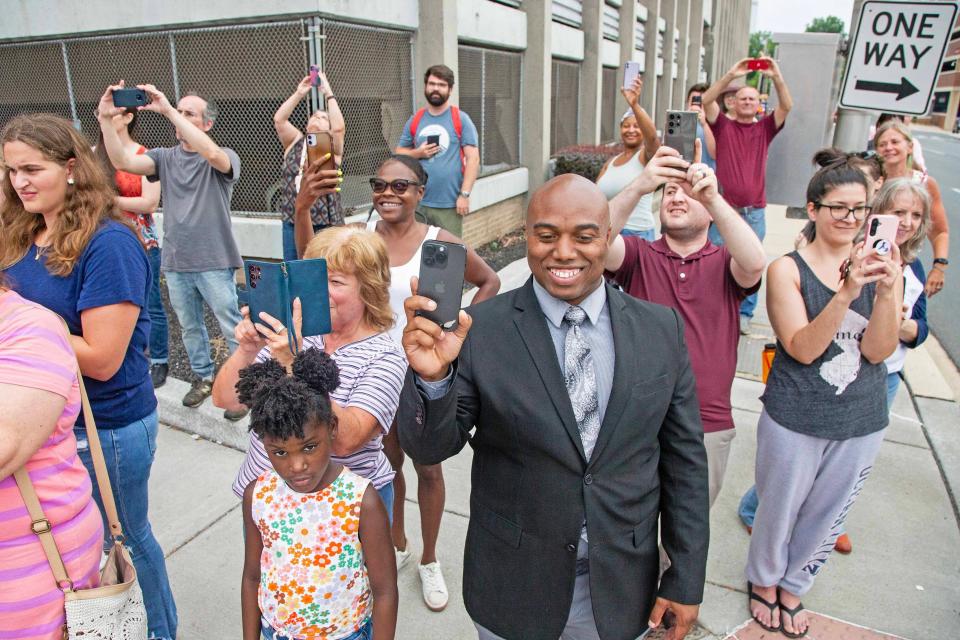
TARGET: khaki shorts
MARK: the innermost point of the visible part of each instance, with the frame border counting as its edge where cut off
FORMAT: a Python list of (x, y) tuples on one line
[(447, 219)]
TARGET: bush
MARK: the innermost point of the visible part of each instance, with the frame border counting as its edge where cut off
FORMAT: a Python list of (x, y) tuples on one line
[(584, 160)]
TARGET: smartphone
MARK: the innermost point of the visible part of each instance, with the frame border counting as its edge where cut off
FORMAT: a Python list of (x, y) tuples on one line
[(881, 235), (680, 132), (129, 98), (315, 80), (696, 99), (273, 286), (434, 139), (319, 144), (755, 64), (442, 266), (631, 70)]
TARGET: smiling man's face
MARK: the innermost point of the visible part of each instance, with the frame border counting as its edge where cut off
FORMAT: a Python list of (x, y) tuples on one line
[(567, 228)]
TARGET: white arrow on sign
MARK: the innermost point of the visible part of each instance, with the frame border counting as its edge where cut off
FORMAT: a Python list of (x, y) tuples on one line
[(896, 54)]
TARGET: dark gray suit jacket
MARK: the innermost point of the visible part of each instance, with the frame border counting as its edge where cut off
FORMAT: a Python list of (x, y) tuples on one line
[(532, 486)]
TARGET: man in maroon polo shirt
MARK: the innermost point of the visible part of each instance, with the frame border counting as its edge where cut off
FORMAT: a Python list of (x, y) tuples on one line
[(742, 143), (704, 282)]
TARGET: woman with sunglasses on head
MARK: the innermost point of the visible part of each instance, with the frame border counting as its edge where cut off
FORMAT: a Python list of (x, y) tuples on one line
[(895, 145), (835, 309), (326, 210)]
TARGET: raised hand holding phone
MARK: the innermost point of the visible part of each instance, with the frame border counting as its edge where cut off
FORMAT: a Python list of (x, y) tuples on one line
[(430, 350)]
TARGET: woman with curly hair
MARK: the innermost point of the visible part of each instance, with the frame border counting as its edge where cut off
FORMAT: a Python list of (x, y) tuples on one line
[(66, 247), (317, 579)]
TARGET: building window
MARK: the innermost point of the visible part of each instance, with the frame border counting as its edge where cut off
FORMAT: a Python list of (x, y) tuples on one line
[(569, 12), (564, 104), (640, 34), (940, 101), (610, 88), (490, 94), (611, 22), (949, 65)]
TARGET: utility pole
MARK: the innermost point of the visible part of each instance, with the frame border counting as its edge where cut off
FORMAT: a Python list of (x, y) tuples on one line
[(852, 125)]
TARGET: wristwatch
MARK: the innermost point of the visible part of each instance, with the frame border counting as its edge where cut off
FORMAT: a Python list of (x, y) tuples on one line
[(942, 261), (466, 194)]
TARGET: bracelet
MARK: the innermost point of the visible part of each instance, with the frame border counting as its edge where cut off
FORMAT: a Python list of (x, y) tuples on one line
[(329, 98)]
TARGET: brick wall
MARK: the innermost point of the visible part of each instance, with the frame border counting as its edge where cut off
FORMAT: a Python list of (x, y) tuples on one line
[(490, 223)]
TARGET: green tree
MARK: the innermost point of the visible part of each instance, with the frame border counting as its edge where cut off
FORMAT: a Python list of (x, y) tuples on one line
[(830, 24)]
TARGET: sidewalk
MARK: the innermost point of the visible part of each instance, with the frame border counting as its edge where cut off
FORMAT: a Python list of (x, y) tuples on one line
[(902, 577)]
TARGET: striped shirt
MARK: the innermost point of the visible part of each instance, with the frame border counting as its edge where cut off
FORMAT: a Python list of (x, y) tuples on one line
[(371, 376), (35, 354)]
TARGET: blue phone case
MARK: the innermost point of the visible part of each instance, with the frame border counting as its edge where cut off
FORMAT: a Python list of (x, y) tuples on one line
[(273, 286)]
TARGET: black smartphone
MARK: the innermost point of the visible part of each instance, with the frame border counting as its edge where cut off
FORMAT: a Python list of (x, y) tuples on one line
[(442, 266), (434, 139), (680, 132), (129, 98), (696, 99)]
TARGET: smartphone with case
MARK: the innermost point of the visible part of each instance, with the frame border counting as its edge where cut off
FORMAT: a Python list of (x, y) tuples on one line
[(680, 132), (273, 286), (755, 64), (881, 235), (319, 144), (315, 80), (130, 98), (631, 70), (434, 139), (442, 267)]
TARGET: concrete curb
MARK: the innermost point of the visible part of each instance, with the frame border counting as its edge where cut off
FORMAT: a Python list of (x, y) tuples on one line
[(206, 421)]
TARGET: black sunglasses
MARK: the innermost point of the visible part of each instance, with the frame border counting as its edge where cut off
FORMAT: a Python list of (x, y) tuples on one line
[(399, 187)]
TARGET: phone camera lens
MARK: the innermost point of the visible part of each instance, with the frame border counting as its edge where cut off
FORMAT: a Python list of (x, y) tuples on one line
[(670, 130), (441, 259), (874, 226), (428, 261)]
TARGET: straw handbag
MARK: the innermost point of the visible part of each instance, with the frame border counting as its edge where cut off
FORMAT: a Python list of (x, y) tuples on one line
[(115, 609)]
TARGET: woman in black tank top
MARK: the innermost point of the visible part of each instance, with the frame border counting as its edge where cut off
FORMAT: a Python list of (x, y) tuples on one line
[(835, 309)]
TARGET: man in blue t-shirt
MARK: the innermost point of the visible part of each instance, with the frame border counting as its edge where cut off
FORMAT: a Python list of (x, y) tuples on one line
[(450, 157)]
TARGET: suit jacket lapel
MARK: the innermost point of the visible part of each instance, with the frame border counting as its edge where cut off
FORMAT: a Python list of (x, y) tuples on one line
[(532, 327), (626, 340)]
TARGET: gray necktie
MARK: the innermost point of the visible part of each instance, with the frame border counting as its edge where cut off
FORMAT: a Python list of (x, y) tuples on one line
[(581, 380)]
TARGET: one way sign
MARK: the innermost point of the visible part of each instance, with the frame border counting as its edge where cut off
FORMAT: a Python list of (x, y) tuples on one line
[(896, 55)]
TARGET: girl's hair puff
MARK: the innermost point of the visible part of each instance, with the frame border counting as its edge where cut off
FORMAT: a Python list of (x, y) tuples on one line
[(281, 404)]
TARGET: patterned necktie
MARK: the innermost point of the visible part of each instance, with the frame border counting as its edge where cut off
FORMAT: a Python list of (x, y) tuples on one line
[(580, 377)]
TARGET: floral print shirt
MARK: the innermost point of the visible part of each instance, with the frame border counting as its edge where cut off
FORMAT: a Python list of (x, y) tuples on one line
[(313, 581)]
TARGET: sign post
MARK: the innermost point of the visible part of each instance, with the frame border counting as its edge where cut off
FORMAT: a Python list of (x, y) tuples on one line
[(896, 54)]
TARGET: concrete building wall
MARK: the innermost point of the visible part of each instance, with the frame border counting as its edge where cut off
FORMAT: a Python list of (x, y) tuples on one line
[(731, 35)]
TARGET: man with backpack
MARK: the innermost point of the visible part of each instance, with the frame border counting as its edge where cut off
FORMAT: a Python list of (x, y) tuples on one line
[(444, 139)]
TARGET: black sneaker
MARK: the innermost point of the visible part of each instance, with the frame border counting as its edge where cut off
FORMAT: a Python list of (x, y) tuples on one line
[(158, 374), (200, 390), (235, 415)]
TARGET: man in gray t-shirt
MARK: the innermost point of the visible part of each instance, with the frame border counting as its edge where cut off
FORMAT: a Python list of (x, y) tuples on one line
[(199, 253)]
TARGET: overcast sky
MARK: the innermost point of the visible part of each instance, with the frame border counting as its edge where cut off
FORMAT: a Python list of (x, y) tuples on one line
[(792, 17)]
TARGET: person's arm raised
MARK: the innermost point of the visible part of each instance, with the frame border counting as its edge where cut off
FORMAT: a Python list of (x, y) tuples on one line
[(316, 182), (649, 130), (338, 124), (121, 157), (286, 132), (746, 251), (881, 336), (249, 345), (197, 139), (784, 99), (711, 95)]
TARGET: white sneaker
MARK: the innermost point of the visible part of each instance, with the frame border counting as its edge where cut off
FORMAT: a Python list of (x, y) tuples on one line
[(434, 588), (402, 558)]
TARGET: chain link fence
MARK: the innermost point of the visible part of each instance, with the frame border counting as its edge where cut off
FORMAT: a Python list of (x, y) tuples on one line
[(564, 104), (490, 85), (249, 70)]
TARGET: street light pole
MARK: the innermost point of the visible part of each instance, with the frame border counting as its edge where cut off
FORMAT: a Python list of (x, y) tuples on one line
[(853, 126)]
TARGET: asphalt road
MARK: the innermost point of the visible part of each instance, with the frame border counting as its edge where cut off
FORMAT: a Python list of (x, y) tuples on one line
[(941, 151)]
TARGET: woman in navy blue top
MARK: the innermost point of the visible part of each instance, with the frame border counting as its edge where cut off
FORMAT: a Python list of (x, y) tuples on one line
[(65, 246)]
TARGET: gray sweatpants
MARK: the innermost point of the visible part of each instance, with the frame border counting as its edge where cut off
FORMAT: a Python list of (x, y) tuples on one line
[(806, 487)]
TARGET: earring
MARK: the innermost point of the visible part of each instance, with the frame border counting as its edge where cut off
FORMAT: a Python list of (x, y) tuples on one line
[(70, 181)]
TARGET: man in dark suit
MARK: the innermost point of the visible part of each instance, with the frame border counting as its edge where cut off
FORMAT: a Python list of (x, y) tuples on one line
[(586, 434)]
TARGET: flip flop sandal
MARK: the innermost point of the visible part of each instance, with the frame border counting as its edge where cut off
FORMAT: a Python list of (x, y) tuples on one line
[(793, 614), (772, 606)]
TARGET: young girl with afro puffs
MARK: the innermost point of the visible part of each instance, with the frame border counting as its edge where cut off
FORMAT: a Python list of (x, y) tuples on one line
[(319, 562)]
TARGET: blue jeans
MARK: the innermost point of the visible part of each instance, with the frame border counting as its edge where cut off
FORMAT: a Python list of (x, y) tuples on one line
[(129, 453), (158, 316), (386, 494), (289, 243), (757, 219), (893, 383), (646, 234), (269, 633), (188, 291)]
